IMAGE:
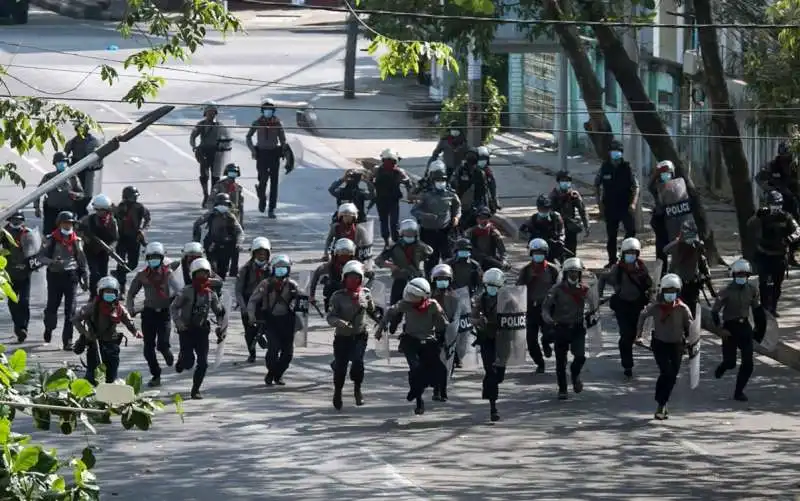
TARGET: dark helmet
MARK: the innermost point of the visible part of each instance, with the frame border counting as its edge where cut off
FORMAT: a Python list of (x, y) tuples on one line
[(616, 145), (543, 202), (18, 217), (65, 217), (232, 167), (774, 197), (267, 104), (463, 244), (222, 199), (59, 156), (472, 155), (130, 193), (483, 211), (563, 176)]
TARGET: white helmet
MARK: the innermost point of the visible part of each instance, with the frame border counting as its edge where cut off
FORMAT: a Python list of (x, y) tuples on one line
[(416, 289), (101, 202), (538, 245), (209, 106), (741, 266), (261, 243), (353, 267), (631, 244), (281, 260), (347, 209), (409, 226), (193, 249), (437, 166), (198, 265), (483, 151), (665, 166), (108, 283), (670, 281), (389, 154), (344, 246), (154, 249), (494, 277), (573, 264), (442, 271)]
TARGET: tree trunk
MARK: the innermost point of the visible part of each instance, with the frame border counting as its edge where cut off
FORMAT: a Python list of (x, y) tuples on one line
[(728, 127), (645, 114), (598, 128)]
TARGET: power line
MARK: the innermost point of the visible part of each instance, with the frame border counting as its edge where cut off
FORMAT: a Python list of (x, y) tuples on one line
[(533, 22)]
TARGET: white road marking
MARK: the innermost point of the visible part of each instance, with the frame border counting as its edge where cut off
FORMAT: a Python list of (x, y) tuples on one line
[(32, 162), (694, 447), (398, 477)]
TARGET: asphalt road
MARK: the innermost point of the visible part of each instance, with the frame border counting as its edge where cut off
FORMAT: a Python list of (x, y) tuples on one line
[(245, 441)]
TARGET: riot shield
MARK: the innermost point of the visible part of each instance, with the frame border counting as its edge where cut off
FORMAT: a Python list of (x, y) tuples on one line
[(591, 316), (365, 233), (468, 354), (512, 307), (31, 247), (655, 272), (293, 155), (224, 150), (175, 280), (301, 311), (380, 295), (219, 353), (771, 335), (674, 198), (448, 351), (693, 344)]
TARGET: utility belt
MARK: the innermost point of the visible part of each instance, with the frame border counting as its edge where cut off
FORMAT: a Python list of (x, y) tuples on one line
[(157, 310), (737, 321), (619, 305)]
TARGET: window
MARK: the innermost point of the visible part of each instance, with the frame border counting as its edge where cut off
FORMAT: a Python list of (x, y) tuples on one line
[(610, 88)]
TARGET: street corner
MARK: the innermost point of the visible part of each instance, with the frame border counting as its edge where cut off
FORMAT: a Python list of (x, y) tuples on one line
[(95, 11)]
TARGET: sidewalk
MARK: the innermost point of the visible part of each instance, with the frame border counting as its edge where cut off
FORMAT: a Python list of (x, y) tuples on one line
[(524, 168)]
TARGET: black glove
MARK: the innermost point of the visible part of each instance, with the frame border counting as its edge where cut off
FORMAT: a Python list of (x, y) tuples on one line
[(440, 338), (715, 318), (80, 346), (591, 319), (220, 335)]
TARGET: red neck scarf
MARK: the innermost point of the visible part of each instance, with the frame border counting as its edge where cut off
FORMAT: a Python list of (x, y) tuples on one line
[(482, 232), (105, 219), (157, 277), (538, 268), (409, 252), (346, 231), (66, 240), (111, 310), (202, 286), (130, 210), (231, 186), (666, 308), (17, 233), (576, 293), (423, 305)]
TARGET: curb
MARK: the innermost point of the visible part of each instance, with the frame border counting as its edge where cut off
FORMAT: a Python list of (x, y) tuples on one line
[(79, 10)]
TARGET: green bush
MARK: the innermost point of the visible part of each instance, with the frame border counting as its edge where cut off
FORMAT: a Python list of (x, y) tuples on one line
[(454, 109)]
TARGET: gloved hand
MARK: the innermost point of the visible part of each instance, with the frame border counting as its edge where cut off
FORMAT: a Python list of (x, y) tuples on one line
[(37, 212), (138, 335), (220, 335)]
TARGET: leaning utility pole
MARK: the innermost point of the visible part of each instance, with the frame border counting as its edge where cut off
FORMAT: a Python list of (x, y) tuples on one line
[(474, 111), (351, 48)]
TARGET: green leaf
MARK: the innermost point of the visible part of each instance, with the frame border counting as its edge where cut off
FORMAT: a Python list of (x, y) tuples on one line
[(59, 485), (18, 361), (81, 388), (5, 431), (178, 400), (58, 380), (134, 380), (26, 459)]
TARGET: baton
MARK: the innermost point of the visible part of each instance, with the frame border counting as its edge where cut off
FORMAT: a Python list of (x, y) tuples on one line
[(113, 255)]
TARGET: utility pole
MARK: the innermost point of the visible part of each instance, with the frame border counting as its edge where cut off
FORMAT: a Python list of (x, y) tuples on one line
[(634, 146), (474, 111), (351, 49), (563, 109)]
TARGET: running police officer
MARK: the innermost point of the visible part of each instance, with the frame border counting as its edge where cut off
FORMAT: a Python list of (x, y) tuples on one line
[(781, 175), (133, 219), (467, 272), (488, 247), (79, 147), (330, 272), (452, 147), (387, 180), (617, 192), (223, 236), (19, 269), (444, 294), (689, 263), (61, 198), (214, 148), (229, 185), (100, 231), (254, 271), (548, 225), (270, 147), (348, 189), (438, 212), (539, 276), (568, 202)]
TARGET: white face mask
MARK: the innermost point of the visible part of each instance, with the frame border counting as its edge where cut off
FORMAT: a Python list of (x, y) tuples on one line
[(670, 297), (455, 133), (222, 209), (440, 185)]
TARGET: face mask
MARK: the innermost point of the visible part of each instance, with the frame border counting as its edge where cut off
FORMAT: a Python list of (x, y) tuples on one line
[(630, 258), (66, 231), (491, 290), (15, 226), (483, 163), (281, 271), (740, 280), (268, 113), (109, 297), (442, 284), (616, 156), (775, 208), (222, 209), (61, 166), (665, 176), (538, 258), (670, 297), (409, 240), (440, 185), (154, 263), (455, 133), (564, 185), (352, 283), (260, 263), (233, 175), (543, 215), (462, 254), (572, 281)]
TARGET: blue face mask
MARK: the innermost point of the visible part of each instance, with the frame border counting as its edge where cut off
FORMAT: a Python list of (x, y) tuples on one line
[(564, 185), (66, 231), (259, 263), (630, 258), (109, 297), (268, 113), (154, 263), (543, 215), (670, 297), (740, 280), (665, 176), (409, 240), (442, 284), (615, 155), (222, 209), (233, 175), (61, 166), (281, 271), (538, 258), (491, 290), (462, 254)]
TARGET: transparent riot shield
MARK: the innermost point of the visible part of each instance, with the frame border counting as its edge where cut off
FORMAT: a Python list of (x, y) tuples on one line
[(31, 247), (512, 307), (674, 198), (655, 272), (365, 233), (468, 354), (219, 353), (224, 149), (771, 335), (175, 280), (293, 155), (301, 311), (380, 295), (591, 316), (693, 347), (448, 351)]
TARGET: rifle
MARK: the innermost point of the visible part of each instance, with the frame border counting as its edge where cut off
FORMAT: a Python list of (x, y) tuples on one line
[(113, 255)]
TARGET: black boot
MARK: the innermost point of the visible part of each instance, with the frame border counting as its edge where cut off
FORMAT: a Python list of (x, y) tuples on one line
[(22, 335), (337, 399), (436, 395), (169, 358), (359, 397), (493, 414), (420, 409), (251, 359), (154, 382), (196, 394)]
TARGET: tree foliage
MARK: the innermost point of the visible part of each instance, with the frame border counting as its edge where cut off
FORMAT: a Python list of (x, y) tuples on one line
[(32, 471), (29, 124), (455, 108)]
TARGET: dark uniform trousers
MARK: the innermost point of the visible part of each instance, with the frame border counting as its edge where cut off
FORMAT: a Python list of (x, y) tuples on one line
[(61, 285), (771, 272), (105, 352), (569, 339), (156, 329), (659, 225), (533, 325), (221, 256), (614, 219), (49, 216), (349, 350), (268, 165), (668, 357), (690, 293), (741, 339), (128, 248), (98, 268), (424, 364), (627, 315), (439, 240), (21, 310), (194, 345), (389, 216), (493, 375), (395, 295), (250, 330), (206, 158), (280, 344)]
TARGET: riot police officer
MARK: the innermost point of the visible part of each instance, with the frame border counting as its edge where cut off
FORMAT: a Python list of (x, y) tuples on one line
[(79, 147), (781, 175), (214, 148), (254, 271), (61, 198), (472, 187), (548, 225), (438, 212), (25, 245), (387, 181), (224, 235), (133, 219), (348, 189), (100, 230), (617, 192), (452, 147), (271, 146), (568, 202)]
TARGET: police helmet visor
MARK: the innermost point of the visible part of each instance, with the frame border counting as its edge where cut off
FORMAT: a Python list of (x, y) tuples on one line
[(573, 275), (261, 254), (66, 225), (201, 274), (343, 252), (408, 232)]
